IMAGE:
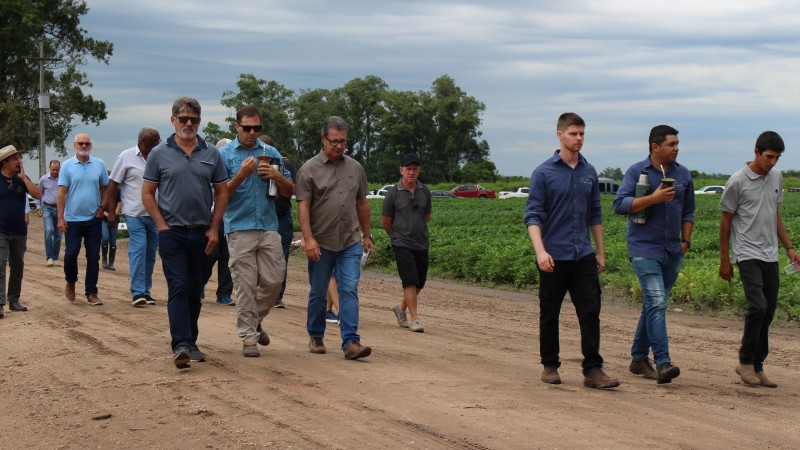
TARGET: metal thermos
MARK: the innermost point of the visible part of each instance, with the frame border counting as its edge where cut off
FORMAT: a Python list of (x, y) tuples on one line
[(642, 189), (273, 186)]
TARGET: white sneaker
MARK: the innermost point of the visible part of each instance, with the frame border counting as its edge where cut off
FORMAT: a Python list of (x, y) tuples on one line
[(50, 262), (416, 326)]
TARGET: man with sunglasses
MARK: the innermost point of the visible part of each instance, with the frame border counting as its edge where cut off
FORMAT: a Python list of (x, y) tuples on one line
[(332, 206), (14, 188), (256, 255), (81, 184), (406, 212), (126, 175), (182, 169)]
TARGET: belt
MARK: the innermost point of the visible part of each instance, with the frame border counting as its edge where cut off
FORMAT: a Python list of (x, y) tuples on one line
[(188, 227), (49, 204)]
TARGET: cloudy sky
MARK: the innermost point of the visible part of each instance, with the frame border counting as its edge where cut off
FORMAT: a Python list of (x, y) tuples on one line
[(719, 71)]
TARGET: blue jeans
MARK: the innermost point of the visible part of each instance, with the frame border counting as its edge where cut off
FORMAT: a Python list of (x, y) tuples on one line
[(348, 271), (89, 232), (286, 230), (109, 235), (52, 237), (656, 280), (183, 259), (142, 245)]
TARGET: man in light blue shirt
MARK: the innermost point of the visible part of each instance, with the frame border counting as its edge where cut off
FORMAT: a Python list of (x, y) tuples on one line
[(256, 254), (81, 184), (47, 210)]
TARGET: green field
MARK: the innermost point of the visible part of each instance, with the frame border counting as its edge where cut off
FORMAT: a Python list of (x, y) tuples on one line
[(485, 241)]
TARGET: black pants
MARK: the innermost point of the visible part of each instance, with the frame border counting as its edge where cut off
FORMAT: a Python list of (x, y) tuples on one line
[(580, 278), (220, 256), (760, 280)]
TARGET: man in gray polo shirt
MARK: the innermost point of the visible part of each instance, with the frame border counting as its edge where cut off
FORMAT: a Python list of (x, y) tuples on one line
[(143, 238), (332, 193), (406, 212), (182, 168), (751, 226)]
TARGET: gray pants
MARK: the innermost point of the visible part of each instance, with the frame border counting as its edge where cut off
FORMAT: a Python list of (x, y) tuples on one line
[(257, 268), (12, 251)]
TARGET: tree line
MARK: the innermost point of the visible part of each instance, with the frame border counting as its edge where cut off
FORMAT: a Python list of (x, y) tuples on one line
[(441, 125)]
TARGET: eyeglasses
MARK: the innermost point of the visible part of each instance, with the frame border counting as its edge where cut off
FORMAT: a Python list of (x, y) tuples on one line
[(250, 128), (83, 144), (341, 142), (183, 119)]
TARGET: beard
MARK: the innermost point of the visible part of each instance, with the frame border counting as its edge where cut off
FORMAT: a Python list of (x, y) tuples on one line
[(82, 152), (187, 133)]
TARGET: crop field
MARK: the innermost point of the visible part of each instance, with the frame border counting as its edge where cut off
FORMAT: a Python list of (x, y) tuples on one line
[(485, 241)]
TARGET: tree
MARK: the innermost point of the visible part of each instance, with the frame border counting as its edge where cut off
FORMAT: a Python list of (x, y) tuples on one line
[(474, 172), (309, 111), (67, 47), (615, 173)]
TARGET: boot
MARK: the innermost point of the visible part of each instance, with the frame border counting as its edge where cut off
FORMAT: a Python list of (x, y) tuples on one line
[(104, 255), (748, 374), (112, 253)]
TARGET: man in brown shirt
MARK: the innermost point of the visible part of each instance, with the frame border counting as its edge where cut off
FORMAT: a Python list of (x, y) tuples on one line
[(331, 193)]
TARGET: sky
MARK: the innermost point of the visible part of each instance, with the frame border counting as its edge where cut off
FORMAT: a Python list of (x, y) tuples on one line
[(721, 72)]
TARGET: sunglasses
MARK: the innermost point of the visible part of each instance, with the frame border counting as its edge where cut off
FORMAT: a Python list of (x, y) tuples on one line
[(250, 128), (184, 119), (83, 144)]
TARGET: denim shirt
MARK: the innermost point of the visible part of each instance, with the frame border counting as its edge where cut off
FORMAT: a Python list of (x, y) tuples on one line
[(564, 202), (248, 207), (661, 234)]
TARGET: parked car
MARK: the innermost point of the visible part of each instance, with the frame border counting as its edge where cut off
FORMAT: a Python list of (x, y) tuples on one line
[(442, 194), (380, 193), (472, 191), (518, 192), (793, 189), (710, 190)]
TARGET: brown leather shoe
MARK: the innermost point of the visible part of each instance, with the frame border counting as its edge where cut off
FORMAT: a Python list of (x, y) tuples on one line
[(93, 300), (748, 374), (315, 345), (69, 292), (764, 381), (550, 375), (598, 379), (355, 351)]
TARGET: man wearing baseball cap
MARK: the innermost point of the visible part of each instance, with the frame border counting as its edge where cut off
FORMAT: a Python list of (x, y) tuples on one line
[(14, 187)]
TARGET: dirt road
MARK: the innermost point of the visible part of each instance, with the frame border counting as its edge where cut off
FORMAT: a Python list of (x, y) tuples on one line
[(76, 376)]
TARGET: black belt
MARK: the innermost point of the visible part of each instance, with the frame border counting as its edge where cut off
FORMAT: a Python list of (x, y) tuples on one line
[(49, 204), (189, 227)]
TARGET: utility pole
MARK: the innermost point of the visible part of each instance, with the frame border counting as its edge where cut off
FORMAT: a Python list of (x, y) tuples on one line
[(44, 103)]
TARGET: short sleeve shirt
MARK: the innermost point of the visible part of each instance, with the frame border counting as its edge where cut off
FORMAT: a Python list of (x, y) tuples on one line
[(184, 182), (332, 189), (127, 173), (83, 182), (408, 213), (753, 200)]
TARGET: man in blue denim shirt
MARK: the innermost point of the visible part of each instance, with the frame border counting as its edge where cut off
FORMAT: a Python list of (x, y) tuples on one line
[(563, 206), (656, 247), (256, 255)]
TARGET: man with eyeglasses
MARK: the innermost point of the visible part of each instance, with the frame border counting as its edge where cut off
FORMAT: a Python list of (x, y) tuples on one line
[(332, 193), (126, 176), (46, 209), (182, 169), (14, 189), (256, 255), (81, 184), (406, 212)]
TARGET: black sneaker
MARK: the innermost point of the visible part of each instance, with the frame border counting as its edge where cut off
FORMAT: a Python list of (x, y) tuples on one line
[(666, 372), (138, 300), (181, 357), (149, 300), (279, 303), (2, 314), (196, 355)]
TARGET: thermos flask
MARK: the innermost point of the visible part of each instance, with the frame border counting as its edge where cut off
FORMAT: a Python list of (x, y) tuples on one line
[(642, 189)]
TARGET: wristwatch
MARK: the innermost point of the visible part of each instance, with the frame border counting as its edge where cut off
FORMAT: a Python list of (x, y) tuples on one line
[(688, 243)]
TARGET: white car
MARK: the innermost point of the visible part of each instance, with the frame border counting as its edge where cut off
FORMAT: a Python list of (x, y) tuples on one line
[(380, 193), (709, 190), (520, 192)]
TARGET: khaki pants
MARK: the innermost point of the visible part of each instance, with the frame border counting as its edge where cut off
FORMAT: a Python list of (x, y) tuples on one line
[(257, 268)]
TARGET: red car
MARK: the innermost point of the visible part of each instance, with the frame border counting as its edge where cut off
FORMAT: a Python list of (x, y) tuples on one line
[(472, 191)]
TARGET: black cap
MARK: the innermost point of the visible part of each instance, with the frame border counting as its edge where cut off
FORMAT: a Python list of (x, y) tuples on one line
[(410, 159)]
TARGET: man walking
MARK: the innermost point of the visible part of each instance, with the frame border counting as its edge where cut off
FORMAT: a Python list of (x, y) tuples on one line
[(182, 169), (81, 183), (563, 207), (751, 226), (47, 209), (656, 247), (406, 212), (256, 255), (126, 175), (332, 207), (14, 189)]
